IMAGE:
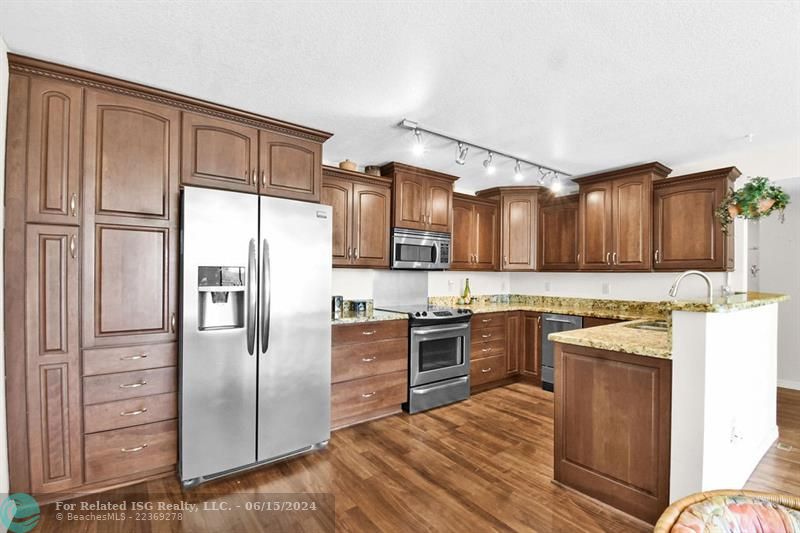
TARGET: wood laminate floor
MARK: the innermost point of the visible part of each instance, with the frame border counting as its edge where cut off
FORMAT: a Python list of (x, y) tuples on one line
[(485, 464)]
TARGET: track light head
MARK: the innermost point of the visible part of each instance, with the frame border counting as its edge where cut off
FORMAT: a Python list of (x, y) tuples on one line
[(461, 153), (518, 172), (488, 164), (418, 147), (542, 176), (556, 184)]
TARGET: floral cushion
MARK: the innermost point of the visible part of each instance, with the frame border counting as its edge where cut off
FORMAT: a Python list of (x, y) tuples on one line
[(737, 514)]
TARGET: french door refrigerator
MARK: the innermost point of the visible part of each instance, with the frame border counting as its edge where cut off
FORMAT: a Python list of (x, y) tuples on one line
[(255, 341)]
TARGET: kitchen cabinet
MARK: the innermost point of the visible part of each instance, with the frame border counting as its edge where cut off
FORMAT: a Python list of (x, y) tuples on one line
[(615, 217), (54, 141), (531, 346), (361, 217), (558, 234), (474, 231), (628, 466), (422, 199), (514, 341), (219, 153), (488, 349), (686, 232), (289, 167), (53, 357), (518, 221)]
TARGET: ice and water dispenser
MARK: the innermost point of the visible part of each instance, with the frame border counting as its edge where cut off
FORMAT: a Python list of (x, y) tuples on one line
[(221, 291)]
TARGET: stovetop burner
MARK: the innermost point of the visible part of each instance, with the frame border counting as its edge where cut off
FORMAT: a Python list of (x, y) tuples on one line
[(422, 314)]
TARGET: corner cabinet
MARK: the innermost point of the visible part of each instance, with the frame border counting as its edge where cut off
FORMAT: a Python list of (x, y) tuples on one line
[(686, 232), (517, 229), (558, 234), (422, 199), (474, 245), (615, 217), (361, 217)]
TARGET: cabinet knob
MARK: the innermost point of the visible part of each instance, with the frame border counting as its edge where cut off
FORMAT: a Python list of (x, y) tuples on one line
[(485, 370), (608, 258), (73, 204), (263, 179), (368, 394), (614, 258), (253, 176), (355, 252), (72, 247), (136, 449), (657, 256), (172, 322)]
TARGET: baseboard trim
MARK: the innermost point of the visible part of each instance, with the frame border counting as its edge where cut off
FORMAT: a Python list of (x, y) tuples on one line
[(788, 384)]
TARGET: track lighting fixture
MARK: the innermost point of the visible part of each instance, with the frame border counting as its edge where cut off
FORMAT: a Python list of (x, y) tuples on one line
[(418, 148), (488, 164), (518, 172), (556, 184), (461, 152), (542, 176)]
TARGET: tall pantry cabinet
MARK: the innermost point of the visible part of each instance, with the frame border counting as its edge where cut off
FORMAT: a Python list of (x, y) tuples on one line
[(93, 176)]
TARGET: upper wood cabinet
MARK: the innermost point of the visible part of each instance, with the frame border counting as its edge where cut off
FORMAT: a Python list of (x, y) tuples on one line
[(423, 199), (518, 221), (615, 216), (289, 167), (558, 233), (474, 245), (686, 232), (54, 143), (361, 217), (219, 153), (53, 358)]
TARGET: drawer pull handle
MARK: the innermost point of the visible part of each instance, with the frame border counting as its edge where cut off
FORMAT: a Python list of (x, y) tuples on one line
[(136, 449), (134, 413), (486, 350), (486, 335), (368, 394), (485, 370), (134, 357), (368, 332), (368, 359), (141, 383), (485, 320)]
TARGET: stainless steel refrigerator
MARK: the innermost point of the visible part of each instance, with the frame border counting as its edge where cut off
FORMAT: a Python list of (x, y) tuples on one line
[(255, 341)]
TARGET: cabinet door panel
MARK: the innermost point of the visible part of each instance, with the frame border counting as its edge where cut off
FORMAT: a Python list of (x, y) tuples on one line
[(52, 354), (338, 194), (410, 204), (54, 143), (218, 153), (131, 297), (463, 247), (531, 347), (632, 205), (485, 247), (518, 236), (440, 205), (558, 237), (595, 226), (371, 220), (290, 168), (131, 155), (514, 341)]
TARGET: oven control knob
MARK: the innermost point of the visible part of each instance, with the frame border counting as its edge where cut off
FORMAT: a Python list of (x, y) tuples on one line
[(424, 313), (416, 314)]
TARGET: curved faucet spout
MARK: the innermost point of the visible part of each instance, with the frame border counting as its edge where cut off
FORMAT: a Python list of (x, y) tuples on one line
[(673, 291)]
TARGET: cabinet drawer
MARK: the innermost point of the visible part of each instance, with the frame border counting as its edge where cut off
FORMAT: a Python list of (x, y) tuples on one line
[(487, 370), (362, 396), (124, 385), (353, 361), (369, 331), (127, 451), (492, 334), (128, 358), (133, 412), (488, 320), (488, 349)]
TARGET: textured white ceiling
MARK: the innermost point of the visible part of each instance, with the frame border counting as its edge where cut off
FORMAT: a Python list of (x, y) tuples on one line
[(579, 85)]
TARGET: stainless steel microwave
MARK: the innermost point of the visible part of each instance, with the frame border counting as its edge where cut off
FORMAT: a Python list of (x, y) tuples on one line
[(420, 250)]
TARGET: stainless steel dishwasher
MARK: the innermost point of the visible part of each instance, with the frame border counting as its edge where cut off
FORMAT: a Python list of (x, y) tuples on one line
[(554, 324)]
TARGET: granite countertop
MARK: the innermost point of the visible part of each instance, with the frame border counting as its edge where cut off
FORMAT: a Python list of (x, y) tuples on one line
[(727, 304), (372, 316), (619, 310), (620, 338)]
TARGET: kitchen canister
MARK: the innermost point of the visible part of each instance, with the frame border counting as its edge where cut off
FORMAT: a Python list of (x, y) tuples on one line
[(337, 305)]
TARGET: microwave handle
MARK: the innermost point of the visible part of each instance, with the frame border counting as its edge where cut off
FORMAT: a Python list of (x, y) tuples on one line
[(435, 252)]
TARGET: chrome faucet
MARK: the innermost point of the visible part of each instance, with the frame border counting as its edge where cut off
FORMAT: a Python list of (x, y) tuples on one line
[(673, 291)]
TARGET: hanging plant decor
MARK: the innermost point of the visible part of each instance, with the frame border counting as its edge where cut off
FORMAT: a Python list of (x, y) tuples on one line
[(758, 198)]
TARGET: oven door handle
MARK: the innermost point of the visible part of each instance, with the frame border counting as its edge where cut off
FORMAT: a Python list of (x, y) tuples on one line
[(426, 390), (437, 329)]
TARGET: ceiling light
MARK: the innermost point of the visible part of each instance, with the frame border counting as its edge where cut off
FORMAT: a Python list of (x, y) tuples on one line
[(518, 172), (461, 158), (418, 148), (488, 164), (556, 185), (542, 175)]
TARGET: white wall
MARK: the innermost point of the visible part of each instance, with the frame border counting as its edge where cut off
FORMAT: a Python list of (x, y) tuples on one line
[(3, 111), (779, 259)]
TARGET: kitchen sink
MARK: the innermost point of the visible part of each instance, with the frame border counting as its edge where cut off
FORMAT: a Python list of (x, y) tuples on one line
[(652, 325)]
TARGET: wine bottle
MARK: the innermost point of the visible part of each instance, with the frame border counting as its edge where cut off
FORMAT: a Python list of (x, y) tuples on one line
[(467, 292)]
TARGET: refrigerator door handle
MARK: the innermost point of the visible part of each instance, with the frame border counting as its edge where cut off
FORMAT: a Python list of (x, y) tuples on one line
[(252, 268), (266, 296)]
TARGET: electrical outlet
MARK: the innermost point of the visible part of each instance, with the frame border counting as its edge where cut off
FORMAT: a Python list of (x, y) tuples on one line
[(606, 288), (451, 285), (546, 286)]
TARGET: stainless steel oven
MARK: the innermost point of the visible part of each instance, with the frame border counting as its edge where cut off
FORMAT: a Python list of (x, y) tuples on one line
[(420, 250)]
